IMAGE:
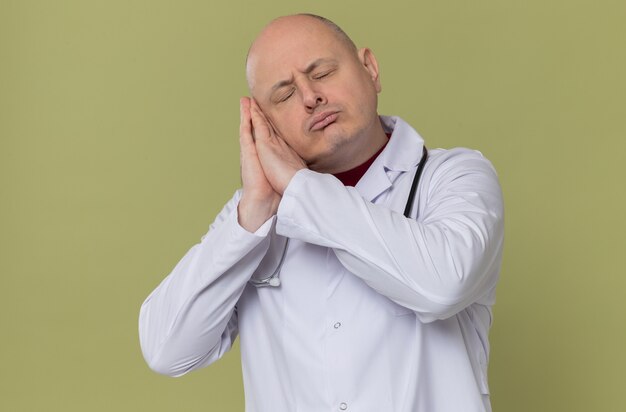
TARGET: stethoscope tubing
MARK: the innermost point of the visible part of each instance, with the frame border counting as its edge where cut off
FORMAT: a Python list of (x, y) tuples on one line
[(416, 180), (274, 280)]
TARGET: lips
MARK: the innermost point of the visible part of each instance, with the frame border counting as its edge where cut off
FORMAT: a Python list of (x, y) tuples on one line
[(322, 120)]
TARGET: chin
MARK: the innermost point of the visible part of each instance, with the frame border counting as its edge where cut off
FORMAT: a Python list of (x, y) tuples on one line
[(335, 136), (327, 160)]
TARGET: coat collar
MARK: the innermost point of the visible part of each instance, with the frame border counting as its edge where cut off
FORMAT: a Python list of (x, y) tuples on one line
[(403, 153)]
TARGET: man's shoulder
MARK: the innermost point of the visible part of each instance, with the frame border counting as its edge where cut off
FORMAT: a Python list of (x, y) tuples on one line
[(460, 166), (458, 156)]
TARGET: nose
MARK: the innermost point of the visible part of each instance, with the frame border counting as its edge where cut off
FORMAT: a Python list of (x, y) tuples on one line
[(312, 97)]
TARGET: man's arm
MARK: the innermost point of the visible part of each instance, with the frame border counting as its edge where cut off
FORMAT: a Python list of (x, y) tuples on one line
[(436, 266), (259, 200), (190, 319)]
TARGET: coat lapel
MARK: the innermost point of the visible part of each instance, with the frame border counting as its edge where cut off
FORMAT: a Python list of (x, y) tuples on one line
[(403, 153)]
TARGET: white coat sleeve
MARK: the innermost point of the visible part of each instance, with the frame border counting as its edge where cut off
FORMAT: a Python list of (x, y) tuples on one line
[(436, 265), (190, 319)]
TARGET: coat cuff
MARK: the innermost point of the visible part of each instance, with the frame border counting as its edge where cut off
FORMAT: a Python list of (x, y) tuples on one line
[(262, 231), (289, 208)]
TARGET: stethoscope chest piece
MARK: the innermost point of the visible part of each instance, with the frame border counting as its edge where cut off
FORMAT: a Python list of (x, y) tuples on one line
[(275, 281), (263, 277)]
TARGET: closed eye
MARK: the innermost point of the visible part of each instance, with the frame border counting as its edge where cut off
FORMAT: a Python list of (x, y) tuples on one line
[(322, 75), (286, 97)]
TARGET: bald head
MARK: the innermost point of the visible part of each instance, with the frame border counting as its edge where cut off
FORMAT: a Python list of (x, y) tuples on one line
[(341, 35), (287, 26), (317, 91)]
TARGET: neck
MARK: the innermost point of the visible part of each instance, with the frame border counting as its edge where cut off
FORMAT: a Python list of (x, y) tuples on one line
[(357, 151)]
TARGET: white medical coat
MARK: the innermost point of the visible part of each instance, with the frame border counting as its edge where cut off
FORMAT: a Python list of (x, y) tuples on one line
[(375, 312)]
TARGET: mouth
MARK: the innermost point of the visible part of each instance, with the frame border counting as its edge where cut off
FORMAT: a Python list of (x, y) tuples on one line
[(322, 120)]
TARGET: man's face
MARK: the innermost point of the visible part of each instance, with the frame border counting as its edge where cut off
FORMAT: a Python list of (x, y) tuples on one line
[(318, 93)]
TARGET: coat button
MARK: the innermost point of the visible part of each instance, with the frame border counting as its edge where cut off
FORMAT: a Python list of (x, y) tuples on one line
[(343, 406)]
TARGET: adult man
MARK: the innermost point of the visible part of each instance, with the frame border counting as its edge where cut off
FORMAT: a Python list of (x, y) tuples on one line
[(365, 309)]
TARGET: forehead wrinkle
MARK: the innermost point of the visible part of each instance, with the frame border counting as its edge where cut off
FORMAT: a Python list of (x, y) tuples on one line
[(316, 63)]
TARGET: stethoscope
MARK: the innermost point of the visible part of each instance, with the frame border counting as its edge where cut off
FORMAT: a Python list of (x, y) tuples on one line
[(273, 279)]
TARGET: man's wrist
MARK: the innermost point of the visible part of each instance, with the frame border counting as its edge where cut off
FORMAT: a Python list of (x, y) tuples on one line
[(252, 214)]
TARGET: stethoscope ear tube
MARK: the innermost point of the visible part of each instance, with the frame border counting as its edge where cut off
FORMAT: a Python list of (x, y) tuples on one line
[(416, 179)]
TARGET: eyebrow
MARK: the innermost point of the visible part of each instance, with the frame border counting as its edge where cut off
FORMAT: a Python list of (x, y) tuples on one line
[(307, 70)]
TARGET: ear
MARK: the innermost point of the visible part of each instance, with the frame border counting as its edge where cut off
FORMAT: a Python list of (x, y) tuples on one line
[(368, 60)]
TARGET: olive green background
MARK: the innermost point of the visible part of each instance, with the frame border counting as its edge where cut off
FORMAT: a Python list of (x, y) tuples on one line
[(118, 145)]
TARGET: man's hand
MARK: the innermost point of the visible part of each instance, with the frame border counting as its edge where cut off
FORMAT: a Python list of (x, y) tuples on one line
[(259, 201), (279, 161)]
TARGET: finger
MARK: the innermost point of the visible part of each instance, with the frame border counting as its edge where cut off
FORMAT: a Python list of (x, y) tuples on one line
[(270, 124), (254, 105), (246, 133), (260, 126), (245, 128)]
